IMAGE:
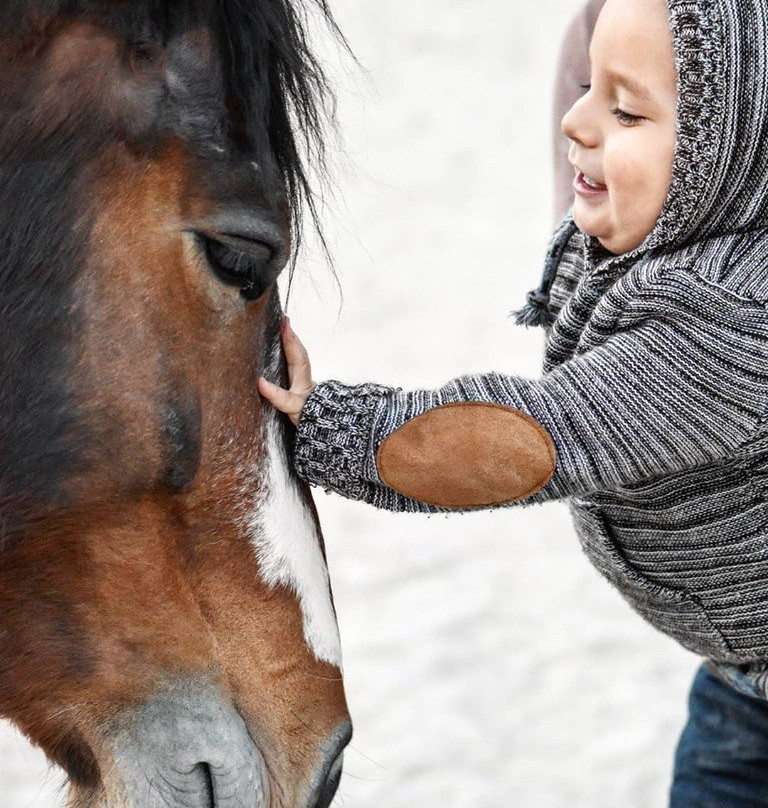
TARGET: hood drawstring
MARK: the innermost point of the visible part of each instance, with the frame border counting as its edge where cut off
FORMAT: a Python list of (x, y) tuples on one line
[(536, 311)]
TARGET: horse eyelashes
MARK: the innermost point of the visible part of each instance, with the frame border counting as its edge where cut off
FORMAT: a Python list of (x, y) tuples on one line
[(240, 262)]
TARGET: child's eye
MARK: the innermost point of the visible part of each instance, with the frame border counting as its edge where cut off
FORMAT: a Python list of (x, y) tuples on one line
[(586, 87), (625, 117)]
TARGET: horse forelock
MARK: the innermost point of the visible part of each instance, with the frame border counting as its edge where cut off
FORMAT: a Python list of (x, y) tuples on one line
[(269, 70)]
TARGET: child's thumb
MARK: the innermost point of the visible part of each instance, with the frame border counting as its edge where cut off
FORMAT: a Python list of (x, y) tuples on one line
[(283, 400)]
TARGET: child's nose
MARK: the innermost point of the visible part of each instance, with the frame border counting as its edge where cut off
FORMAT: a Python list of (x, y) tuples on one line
[(576, 125)]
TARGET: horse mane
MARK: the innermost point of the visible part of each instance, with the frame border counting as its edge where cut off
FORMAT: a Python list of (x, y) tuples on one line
[(267, 60), (265, 47)]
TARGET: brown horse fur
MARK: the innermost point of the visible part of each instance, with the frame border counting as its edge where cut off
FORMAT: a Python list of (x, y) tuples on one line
[(129, 418)]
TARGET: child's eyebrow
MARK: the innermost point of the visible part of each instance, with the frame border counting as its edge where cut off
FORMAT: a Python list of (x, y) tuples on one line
[(625, 81), (628, 83)]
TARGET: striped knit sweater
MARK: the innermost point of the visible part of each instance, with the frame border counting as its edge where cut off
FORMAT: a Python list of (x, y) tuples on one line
[(655, 378)]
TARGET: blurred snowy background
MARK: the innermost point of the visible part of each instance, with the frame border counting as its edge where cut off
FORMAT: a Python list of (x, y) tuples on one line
[(486, 663)]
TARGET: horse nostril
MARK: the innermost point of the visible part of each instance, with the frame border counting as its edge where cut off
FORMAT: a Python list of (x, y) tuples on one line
[(334, 762), (331, 784), (202, 772)]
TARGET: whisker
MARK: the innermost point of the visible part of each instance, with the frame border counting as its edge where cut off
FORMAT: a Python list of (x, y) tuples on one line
[(70, 708), (364, 779), (369, 759)]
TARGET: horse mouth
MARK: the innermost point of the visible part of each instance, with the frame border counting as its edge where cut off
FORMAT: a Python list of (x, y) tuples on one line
[(244, 263)]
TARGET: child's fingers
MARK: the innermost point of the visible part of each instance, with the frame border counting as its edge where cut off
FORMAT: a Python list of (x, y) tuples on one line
[(299, 367), (282, 399)]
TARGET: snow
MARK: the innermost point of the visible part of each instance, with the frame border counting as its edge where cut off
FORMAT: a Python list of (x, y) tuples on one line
[(486, 662)]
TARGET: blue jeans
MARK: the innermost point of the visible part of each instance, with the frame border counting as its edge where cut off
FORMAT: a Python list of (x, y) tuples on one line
[(722, 757)]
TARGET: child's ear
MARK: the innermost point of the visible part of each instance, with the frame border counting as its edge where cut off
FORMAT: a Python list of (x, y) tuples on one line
[(468, 455)]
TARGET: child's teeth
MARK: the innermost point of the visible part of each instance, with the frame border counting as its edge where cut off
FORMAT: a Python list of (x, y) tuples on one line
[(591, 182)]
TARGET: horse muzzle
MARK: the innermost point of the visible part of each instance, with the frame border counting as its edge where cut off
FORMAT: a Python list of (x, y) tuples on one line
[(190, 748)]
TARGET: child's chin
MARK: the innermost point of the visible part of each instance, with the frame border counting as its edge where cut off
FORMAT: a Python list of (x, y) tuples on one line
[(590, 229), (619, 246), (585, 223), (611, 247)]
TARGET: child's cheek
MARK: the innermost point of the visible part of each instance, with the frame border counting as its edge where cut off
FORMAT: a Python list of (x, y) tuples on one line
[(631, 182)]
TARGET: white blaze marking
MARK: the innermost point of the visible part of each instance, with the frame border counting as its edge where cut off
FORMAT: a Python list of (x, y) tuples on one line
[(285, 539)]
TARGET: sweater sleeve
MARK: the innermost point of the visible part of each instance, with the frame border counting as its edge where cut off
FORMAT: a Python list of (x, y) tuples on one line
[(679, 383)]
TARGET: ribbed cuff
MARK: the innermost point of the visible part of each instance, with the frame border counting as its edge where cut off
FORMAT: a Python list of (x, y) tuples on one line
[(334, 435)]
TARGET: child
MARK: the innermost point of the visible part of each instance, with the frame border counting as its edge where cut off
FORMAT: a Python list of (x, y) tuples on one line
[(650, 416)]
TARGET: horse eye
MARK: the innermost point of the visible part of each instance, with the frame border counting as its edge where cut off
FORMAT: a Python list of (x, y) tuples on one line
[(238, 261)]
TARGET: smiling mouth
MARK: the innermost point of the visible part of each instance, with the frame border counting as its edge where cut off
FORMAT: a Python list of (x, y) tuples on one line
[(593, 183), (584, 185)]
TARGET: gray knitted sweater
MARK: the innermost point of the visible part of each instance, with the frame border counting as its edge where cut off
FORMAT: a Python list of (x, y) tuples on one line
[(655, 378)]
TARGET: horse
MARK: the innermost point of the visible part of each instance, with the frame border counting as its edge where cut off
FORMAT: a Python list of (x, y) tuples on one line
[(167, 630)]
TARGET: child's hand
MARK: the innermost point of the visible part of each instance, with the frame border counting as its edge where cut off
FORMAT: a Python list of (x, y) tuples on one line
[(291, 401)]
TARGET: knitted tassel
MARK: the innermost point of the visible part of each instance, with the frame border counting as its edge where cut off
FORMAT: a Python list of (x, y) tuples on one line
[(536, 311)]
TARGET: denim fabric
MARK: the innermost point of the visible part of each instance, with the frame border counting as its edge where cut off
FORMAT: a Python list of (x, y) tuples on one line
[(722, 757), (749, 680)]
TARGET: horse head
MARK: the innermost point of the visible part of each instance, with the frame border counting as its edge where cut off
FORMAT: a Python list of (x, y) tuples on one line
[(167, 633)]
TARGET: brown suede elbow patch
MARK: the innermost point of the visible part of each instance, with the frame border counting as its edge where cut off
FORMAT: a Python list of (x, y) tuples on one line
[(468, 454)]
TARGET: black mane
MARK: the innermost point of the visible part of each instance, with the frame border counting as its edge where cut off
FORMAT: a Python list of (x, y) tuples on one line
[(268, 65)]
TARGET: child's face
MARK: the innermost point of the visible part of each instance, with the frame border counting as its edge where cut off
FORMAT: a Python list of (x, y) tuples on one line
[(623, 131)]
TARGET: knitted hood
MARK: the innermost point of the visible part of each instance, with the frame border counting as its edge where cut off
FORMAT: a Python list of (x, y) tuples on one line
[(720, 172)]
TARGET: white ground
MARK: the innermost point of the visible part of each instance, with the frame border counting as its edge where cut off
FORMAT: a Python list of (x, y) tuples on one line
[(486, 663)]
